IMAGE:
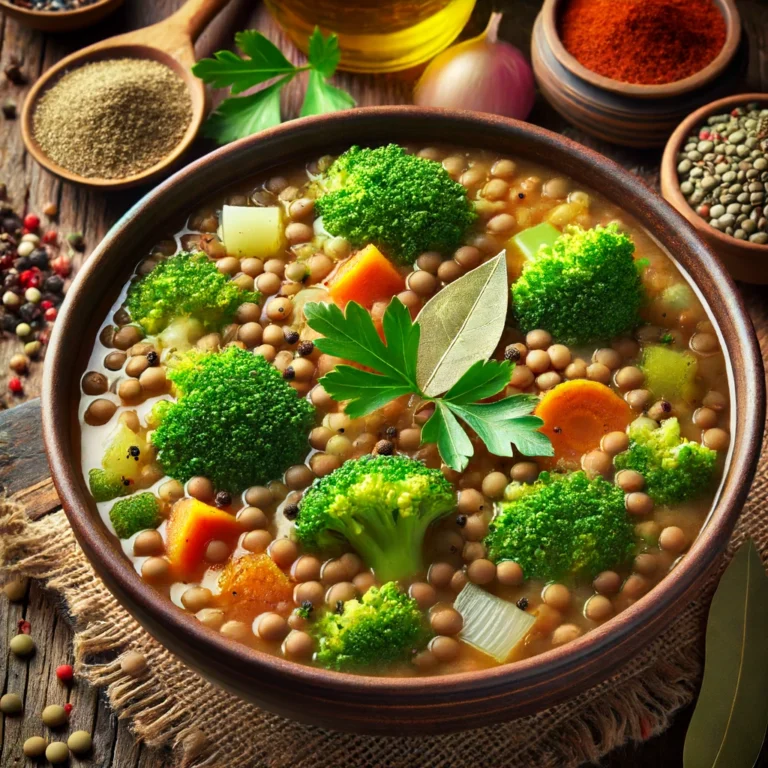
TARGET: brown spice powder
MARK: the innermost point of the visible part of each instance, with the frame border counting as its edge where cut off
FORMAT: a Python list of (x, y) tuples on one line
[(113, 118)]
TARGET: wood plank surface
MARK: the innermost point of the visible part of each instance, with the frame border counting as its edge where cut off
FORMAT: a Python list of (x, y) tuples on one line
[(23, 467)]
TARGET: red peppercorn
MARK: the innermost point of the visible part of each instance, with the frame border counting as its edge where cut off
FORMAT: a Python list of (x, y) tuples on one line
[(31, 278), (31, 222), (50, 314), (62, 266), (15, 385), (43, 337), (50, 237), (46, 304), (65, 673), (68, 709), (23, 626)]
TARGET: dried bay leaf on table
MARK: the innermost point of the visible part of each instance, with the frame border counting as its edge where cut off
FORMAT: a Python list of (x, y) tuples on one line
[(461, 325), (729, 722)]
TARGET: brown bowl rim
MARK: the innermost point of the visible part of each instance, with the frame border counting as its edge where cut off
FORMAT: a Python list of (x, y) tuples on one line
[(670, 184), (489, 684), (71, 14), (732, 18)]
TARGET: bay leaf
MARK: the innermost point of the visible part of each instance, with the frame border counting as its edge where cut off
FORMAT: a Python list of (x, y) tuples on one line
[(461, 325), (731, 714)]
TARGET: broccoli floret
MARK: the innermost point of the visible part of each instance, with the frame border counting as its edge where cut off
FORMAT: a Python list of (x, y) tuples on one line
[(107, 485), (675, 469), (236, 421), (401, 203), (383, 627), (586, 287), (129, 516), (382, 505), (562, 527), (187, 284)]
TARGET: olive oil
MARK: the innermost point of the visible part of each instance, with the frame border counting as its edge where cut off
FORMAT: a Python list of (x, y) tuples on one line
[(376, 35)]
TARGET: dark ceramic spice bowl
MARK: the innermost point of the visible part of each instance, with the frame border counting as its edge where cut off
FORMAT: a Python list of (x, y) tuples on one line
[(395, 706)]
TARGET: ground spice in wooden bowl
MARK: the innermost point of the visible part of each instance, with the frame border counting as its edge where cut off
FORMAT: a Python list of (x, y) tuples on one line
[(113, 118), (647, 42)]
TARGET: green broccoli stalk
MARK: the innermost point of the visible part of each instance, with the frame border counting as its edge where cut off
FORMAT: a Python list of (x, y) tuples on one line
[(675, 469), (382, 506), (401, 203), (106, 485), (383, 627), (236, 421), (562, 527), (138, 513), (593, 275), (185, 285)]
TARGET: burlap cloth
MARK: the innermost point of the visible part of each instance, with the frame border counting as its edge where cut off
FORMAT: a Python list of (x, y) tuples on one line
[(172, 706)]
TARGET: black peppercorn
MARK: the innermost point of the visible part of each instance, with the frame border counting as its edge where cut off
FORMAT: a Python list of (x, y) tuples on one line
[(291, 336), (522, 603), (521, 195), (54, 284), (390, 433), (9, 323), (153, 358), (29, 312), (10, 282), (307, 606), (39, 258), (384, 448), (289, 374), (461, 520), (512, 353), (339, 607), (291, 511), (306, 348), (223, 499), (23, 263)]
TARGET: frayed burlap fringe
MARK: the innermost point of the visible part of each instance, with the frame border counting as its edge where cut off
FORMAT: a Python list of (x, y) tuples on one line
[(171, 706)]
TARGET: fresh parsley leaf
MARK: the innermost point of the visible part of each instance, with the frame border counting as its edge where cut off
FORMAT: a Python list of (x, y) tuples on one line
[(354, 337), (364, 391), (482, 379), (504, 424), (228, 69), (242, 116), (452, 441), (324, 54), (322, 97)]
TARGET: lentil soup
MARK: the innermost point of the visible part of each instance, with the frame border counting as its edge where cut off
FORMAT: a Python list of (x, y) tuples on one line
[(372, 523)]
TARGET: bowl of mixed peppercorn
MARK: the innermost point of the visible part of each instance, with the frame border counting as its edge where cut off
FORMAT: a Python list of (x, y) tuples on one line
[(715, 172), (58, 15), (629, 72)]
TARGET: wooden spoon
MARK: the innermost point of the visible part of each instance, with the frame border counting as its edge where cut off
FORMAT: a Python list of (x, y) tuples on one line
[(169, 42)]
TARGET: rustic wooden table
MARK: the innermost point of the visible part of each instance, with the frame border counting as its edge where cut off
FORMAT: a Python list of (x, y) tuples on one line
[(23, 468)]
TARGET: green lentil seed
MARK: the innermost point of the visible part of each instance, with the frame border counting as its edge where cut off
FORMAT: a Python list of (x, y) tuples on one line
[(54, 715), (22, 645), (57, 752), (11, 704), (35, 746), (80, 742)]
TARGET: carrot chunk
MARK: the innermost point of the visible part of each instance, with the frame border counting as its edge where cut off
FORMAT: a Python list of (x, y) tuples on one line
[(366, 277), (577, 414), (252, 585), (192, 526)]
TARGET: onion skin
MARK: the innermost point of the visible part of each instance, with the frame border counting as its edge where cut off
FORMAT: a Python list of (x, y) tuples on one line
[(483, 74)]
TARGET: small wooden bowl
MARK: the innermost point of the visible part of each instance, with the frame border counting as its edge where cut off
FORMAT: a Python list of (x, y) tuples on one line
[(386, 705), (744, 260), (627, 113), (60, 21)]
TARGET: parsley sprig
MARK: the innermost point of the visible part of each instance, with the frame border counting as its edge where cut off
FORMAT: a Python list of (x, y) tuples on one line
[(263, 61), (391, 372)]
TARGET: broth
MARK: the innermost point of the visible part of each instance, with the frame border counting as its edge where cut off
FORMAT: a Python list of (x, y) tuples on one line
[(510, 195)]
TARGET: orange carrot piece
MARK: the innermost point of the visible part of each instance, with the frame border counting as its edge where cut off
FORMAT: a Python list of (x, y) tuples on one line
[(577, 414), (192, 526), (366, 277), (251, 585)]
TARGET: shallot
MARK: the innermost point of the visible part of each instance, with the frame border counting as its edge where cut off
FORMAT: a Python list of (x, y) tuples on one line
[(484, 74)]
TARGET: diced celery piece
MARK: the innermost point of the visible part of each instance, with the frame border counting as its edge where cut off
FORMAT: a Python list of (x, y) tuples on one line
[(249, 232), (529, 241), (669, 373), (492, 625)]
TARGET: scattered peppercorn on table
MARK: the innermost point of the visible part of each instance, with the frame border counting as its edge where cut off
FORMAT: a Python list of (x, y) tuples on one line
[(37, 684)]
